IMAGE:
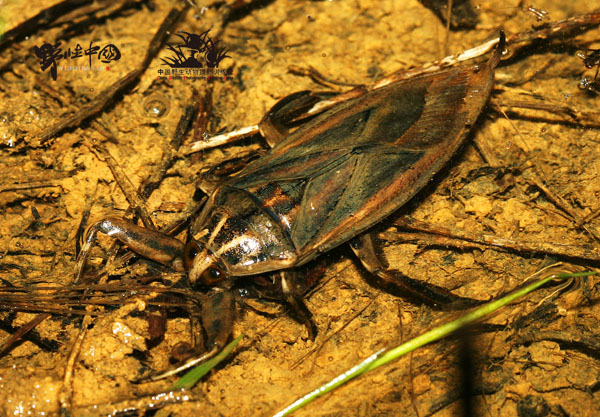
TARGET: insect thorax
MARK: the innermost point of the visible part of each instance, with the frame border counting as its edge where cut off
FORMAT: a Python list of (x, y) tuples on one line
[(247, 239)]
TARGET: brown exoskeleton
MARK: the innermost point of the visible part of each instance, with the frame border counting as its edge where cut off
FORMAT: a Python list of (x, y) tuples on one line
[(317, 188)]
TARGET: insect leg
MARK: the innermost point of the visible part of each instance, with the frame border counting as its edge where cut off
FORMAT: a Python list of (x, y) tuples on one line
[(364, 248), (299, 309), (151, 244), (287, 113), (218, 314)]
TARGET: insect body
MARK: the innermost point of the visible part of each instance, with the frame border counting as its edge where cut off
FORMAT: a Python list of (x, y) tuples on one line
[(329, 181)]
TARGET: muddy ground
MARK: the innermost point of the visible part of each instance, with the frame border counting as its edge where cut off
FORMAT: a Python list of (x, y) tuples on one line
[(531, 177)]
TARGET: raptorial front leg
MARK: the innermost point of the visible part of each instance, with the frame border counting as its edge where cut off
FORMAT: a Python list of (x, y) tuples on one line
[(218, 314), (150, 244), (364, 248)]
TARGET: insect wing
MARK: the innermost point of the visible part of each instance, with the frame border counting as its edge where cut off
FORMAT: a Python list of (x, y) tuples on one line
[(357, 163)]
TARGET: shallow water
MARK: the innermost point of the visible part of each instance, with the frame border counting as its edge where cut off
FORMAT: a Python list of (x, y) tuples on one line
[(530, 356)]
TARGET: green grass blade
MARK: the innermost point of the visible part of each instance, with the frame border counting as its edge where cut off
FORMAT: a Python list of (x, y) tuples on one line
[(192, 377), (380, 358)]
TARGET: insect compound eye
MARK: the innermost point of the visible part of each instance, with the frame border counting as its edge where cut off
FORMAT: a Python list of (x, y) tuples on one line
[(189, 253), (212, 275)]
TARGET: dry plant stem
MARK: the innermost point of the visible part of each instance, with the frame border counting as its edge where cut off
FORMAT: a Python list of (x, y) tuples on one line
[(73, 12), (30, 185), (40, 20), (141, 405), (220, 140), (587, 118), (448, 61), (563, 204), (439, 235), (152, 182), (134, 199), (550, 29), (72, 299), (96, 10), (590, 342), (23, 330), (93, 108), (595, 213), (65, 395), (204, 104)]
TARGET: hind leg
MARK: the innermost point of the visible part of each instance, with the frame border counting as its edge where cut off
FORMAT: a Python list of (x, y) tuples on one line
[(365, 248)]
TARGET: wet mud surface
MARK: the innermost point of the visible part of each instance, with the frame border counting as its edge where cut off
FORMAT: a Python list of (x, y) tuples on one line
[(529, 177)]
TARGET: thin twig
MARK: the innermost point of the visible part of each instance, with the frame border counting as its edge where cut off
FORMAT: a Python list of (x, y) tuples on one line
[(23, 330), (442, 236)]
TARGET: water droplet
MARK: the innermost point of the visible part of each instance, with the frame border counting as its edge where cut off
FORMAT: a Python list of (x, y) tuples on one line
[(156, 106), (323, 54), (32, 114), (585, 83)]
